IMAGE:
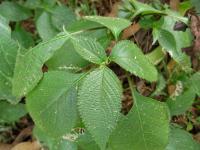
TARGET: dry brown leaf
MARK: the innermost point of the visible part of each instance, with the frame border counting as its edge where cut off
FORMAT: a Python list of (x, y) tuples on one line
[(5, 146), (171, 65), (197, 137), (143, 88), (23, 135), (174, 4), (131, 30), (114, 10), (171, 89), (27, 146)]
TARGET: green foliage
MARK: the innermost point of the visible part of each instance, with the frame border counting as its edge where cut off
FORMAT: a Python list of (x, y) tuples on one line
[(173, 41), (58, 102), (116, 25), (135, 8), (82, 24), (161, 84), (10, 113), (99, 104), (181, 103), (44, 26), (25, 80), (52, 143), (156, 56), (141, 127), (62, 16), (66, 58), (194, 80), (141, 8), (71, 73), (23, 37), (196, 4), (8, 53), (89, 49), (131, 58), (85, 142), (13, 11), (180, 139)]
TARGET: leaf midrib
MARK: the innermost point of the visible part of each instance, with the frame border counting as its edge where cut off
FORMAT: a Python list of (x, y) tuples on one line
[(140, 119)]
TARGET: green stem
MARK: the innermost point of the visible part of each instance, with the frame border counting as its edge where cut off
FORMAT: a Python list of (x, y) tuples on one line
[(131, 84)]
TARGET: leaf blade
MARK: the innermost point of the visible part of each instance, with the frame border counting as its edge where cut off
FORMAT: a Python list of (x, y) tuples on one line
[(140, 129), (180, 139), (53, 102), (8, 53), (32, 61), (194, 80), (180, 104), (89, 49), (10, 113), (129, 56), (44, 26), (101, 93), (13, 11), (116, 25)]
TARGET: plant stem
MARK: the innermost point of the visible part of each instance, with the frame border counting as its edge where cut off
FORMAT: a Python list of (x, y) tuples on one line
[(131, 84)]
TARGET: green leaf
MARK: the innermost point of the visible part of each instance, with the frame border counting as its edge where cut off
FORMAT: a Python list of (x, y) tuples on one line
[(13, 11), (181, 103), (176, 16), (168, 24), (49, 3), (92, 30), (23, 37), (44, 26), (146, 127), (8, 53), (64, 144), (131, 58), (167, 41), (52, 104), (99, 103), (172, 43), (144, 9), (116, 25), (180, 139), (156, 56), (53, 144), (149, 21), (195, 80), (160, 86), (66, 58), (82, 25), (10, 113), (185, 6), (101, 35), (41, 4), (196, 4), (62, 16), (85, 142), (89, 49), (28, 70), (32, 4)]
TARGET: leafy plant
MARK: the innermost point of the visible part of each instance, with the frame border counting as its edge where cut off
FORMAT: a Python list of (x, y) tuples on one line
[(76, 102)]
